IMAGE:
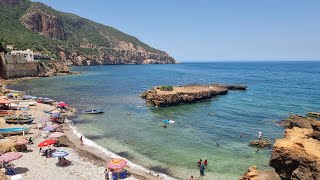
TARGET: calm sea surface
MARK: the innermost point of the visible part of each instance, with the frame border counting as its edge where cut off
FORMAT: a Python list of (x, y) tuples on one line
[(275, 90)]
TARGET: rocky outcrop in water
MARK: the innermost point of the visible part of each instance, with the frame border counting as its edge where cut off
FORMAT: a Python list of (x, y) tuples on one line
[(186, 94), (260, 143), (254, 174), (297, 155)]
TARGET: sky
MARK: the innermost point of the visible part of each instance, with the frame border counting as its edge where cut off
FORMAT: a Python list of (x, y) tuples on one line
[(212, 30)]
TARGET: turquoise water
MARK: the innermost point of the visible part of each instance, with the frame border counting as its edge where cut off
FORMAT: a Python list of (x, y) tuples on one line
[(275, 90)]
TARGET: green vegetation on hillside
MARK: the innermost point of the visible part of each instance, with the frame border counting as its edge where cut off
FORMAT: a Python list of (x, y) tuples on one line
[(79, 31)]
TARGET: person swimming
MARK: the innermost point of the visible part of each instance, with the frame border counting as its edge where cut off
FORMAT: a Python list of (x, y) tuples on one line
[(164, 125)]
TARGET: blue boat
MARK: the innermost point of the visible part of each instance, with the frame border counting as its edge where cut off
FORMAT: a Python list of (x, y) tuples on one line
[(14, 131), (94, 111)]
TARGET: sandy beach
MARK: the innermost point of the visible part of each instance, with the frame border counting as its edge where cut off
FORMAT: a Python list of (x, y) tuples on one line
[(87, 162)]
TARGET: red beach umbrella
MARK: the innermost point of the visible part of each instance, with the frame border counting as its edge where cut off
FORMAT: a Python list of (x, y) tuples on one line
[(117, 163), (62, 104), (47, 142), (10, 156)]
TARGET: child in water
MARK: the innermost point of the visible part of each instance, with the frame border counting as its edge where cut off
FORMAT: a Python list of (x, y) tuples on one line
[(205, 162)]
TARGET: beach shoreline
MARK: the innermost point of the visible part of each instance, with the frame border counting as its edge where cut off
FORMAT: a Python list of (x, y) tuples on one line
[(90, 152)]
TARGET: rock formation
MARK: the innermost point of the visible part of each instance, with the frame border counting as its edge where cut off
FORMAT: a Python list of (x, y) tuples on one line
[(297, 155), (186, 94), (254, 174), (44, 22)]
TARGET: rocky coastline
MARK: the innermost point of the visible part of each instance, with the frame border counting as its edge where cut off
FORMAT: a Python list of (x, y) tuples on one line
[(297, 154), (159, 96)]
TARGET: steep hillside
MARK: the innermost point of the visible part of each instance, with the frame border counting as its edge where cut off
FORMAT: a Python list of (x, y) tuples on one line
[(71, 38)]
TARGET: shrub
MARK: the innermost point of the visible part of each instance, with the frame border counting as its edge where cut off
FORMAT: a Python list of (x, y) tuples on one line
[(166, 88)]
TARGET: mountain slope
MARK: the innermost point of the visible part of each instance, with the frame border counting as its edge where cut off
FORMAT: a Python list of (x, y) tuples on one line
[(71, 38)]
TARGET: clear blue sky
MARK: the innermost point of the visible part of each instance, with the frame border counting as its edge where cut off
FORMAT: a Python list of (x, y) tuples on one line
[(212, 30)]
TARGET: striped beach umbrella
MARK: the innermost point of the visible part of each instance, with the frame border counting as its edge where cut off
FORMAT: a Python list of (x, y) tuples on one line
[(10, 156), (117, 163), (43, 120), (56, 135), (60, 154)]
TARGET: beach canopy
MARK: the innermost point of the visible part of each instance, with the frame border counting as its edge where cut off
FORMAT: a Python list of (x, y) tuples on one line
[(60, 153), (47, 142), (117, 163), (4, 101), (56, 135), (10, 156)]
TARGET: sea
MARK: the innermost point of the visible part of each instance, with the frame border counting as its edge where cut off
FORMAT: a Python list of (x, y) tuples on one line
[(209, 129)]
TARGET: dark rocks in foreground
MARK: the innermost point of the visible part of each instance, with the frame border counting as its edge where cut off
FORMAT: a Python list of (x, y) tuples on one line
[(187, 94)]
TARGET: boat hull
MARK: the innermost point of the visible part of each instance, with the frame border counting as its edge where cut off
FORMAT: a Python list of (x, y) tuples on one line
[(14, 131)]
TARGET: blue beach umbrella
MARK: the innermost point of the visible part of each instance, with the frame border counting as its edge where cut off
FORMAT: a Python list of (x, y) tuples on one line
[(55, 115)]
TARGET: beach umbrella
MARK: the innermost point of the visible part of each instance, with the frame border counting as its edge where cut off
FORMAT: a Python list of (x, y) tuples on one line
[(43, 120), (56, 135), (55, 115), (22, 142), (47, 142), (10, 156), (48, 128), (4, 101), (55, 126), (46, 98), (60, 153), (117, 163), (62, 104)]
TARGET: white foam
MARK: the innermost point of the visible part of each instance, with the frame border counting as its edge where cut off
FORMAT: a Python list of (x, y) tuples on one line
[(113, 155)]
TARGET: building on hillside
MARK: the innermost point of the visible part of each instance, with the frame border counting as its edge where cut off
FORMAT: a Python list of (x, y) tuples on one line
[(10, 47), (27, 54), (40, 56)]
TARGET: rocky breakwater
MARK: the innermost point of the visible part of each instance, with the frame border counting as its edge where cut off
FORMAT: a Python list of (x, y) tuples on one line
[(297, 155), (174, 95)]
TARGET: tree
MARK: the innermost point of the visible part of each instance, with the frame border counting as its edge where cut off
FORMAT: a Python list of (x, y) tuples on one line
[(2, 48)]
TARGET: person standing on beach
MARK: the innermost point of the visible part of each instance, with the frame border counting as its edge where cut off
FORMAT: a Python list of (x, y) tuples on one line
[(81, 140)]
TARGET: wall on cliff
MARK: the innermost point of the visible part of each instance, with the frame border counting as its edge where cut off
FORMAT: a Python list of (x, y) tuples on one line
[(71, 38)]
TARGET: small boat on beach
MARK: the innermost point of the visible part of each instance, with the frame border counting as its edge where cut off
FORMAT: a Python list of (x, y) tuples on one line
[(20, 119), (94, 111), (14, 131)]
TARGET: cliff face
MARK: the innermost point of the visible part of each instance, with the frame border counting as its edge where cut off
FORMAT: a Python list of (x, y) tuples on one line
[(37, 20), (70, 38), (297, 155)]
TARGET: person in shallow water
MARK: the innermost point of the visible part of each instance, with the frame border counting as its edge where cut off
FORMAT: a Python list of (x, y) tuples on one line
[(191, 178), (202, 170), (205, 162), (199, 162), (164, 125)]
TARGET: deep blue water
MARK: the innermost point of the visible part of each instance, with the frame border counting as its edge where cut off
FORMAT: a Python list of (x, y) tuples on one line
[(275, 89)]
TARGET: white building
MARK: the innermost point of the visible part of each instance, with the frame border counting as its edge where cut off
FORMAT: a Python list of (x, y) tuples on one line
[(28, 54)]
